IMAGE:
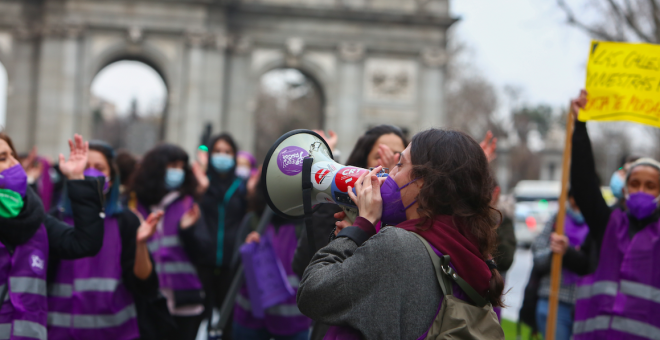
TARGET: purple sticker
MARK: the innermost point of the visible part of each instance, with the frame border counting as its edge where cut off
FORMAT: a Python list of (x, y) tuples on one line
[(290, 160), (37, 262)]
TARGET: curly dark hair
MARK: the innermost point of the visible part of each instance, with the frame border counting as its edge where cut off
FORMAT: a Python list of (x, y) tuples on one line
[(364, 145), (458, 182), (149, 180)]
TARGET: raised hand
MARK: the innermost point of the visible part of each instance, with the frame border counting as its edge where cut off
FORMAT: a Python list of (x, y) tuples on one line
[(252, 182), (203, 159), (190, 217), (368, 200), (148, 227), (331, 140), (202, 180), (489, 145), (578, 103), (387, 157), (74, 167)]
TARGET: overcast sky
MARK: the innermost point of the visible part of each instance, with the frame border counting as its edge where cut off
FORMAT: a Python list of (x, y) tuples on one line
[(524, 43)]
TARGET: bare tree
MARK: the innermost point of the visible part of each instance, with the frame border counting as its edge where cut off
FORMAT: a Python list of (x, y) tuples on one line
[(619, 20)]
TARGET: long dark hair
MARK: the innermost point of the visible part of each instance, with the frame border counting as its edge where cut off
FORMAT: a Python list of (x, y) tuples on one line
[(149, 181), (224, 137), (5, 137), (364, 145), (458, 182)]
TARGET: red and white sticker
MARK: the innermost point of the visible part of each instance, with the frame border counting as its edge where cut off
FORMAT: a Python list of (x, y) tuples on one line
[(347, 176), (322, 174)]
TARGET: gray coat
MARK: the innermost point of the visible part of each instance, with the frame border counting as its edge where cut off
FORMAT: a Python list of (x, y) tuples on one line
[(385, 289)]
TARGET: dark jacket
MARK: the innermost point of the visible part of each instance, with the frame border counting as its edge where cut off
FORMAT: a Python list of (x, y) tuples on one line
[(234, 213), (506, 245)]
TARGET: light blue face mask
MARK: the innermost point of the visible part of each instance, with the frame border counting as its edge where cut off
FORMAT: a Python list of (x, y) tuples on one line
[(174, 178), (222, 162), (576, 216), (616, 185)]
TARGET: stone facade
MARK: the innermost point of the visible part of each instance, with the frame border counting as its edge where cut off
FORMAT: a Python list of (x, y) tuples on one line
[(376, 61)]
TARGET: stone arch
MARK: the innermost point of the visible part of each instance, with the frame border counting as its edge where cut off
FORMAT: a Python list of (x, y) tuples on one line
[(146, 54)]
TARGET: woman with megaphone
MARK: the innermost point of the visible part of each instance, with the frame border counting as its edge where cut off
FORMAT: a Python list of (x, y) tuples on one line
[(383, 284)]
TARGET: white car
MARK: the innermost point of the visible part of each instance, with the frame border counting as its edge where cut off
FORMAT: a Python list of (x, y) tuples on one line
[(536, 203)]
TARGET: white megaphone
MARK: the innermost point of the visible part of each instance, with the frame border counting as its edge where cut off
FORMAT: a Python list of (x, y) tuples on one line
[(300, 165)]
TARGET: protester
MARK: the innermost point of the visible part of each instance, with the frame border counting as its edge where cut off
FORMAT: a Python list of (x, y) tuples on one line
[(617, 181), (38, 170), (164, 181), (31, 241), (103, 287), (387, 287), (365, 154), (223, 206), (246, 165), (282, 321), (568, 245), (126, 165), (617, 301)]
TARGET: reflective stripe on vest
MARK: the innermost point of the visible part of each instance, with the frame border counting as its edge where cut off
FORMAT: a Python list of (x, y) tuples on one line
[(176, 268), (96, 285), (92, 321), (22, 328), (29, 285), (640, 290), (641, 329), (164, 242), (60, 290), (594, 324), (597, 288)]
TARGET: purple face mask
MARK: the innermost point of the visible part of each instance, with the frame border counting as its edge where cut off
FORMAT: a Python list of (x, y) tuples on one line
[(14, 179), (92, 172), (641, 205), (393, 210)]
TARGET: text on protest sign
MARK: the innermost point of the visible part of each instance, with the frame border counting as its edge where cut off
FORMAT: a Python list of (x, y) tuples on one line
[(623, 82)]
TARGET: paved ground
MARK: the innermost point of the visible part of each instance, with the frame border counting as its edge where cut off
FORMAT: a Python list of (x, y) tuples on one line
[(515, 281)]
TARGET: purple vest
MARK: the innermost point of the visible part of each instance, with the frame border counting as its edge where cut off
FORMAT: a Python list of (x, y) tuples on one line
[(285, 318), (621, 300), (175, 271), (24, 309), (88, 300), (347, 333)]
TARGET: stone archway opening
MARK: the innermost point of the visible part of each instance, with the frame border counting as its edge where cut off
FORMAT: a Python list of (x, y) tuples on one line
[(129, 102), (287, 99), (4, 91)]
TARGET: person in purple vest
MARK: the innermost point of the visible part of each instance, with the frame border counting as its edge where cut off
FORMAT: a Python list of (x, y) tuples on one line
[(32, 241), (283, 321), (619, 300), (382, 285), (576, 231), (223, 204), (93, 297), (165, 182)]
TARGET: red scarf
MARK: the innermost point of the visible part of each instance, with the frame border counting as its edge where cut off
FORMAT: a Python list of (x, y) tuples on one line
[(465, 255)]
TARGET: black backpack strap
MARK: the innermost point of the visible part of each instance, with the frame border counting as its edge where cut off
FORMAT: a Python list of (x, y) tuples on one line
[(307, 202), (441, 265)]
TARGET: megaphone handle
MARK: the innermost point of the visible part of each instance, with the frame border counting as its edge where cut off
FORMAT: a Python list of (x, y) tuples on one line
[(351, 213)]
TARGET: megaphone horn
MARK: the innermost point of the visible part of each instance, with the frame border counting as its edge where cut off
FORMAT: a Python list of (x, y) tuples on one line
[(301, 152)]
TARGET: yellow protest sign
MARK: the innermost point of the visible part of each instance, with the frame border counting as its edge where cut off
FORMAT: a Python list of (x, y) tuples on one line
[(623, 82)]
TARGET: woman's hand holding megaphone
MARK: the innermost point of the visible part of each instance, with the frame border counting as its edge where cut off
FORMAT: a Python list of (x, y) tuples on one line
[(368, 200)]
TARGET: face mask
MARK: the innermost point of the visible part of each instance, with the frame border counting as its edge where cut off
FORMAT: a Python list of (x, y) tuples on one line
[(393, 210), (641, 205), (222, 162), (576, 216), (616, 185), (243, 172), (14, 179), (11, 203), (92, 172), (174, 178)]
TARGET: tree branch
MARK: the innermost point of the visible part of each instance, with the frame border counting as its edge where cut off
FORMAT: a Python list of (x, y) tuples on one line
[(572, 20), (629, 17), (655, 9)]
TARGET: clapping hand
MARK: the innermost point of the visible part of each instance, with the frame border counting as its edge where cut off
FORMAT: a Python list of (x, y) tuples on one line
[(74, 167), (331, 140), (253, 237), (190, 217), (200, 174), (148, 227)]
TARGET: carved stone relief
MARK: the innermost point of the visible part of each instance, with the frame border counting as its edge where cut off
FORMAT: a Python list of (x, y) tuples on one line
[(390, 80)]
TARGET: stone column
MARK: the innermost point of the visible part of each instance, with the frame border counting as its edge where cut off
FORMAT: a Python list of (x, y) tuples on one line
[(21, 104), (191, 121), (432, 91), (213, 83), (349, 97), (56, 89), (239, 118)]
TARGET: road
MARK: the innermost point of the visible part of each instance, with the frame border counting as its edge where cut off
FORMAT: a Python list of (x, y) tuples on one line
[(515, 283)]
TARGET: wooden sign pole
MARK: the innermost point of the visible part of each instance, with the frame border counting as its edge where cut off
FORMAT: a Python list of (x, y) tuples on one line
[(559, 229)]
